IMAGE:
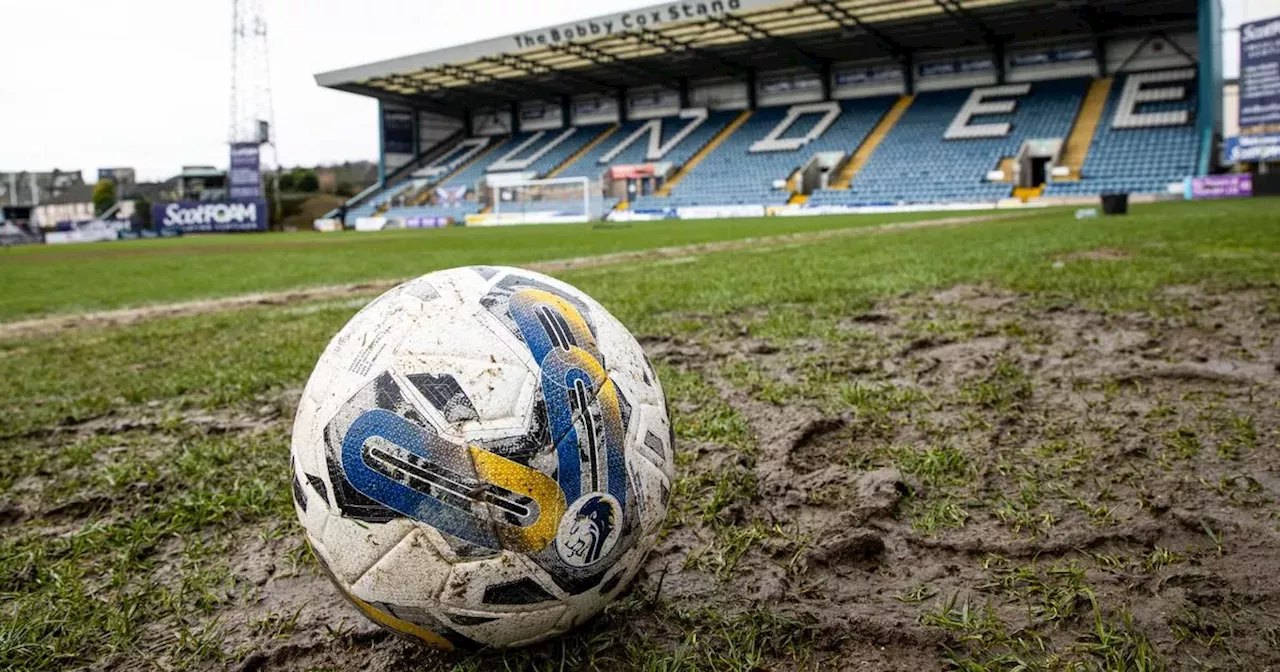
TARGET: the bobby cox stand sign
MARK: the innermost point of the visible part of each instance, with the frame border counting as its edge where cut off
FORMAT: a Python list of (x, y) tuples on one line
[(211, 216)]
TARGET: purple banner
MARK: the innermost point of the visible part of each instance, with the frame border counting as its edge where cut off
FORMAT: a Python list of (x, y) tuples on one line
[(244, 181), (1221, 186), (426, 222)]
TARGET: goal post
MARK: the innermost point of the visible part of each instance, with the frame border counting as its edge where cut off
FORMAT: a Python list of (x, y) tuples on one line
[(555, 200)]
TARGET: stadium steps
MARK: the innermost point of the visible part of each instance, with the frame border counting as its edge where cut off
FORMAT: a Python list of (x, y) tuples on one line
[(1007, 164), (798, 199), (425, 195), (573, 158), (1076, 148), (1025, 194), (871, 142), (716, 141)]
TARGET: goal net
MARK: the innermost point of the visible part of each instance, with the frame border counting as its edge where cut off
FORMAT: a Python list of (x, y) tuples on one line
[(566, 199)]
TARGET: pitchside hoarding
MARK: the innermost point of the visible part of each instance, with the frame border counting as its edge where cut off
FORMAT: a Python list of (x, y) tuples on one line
[(245, 179), (1259, 93), (1260, 77), (1219, 186), (211, 216), (1252, 148)]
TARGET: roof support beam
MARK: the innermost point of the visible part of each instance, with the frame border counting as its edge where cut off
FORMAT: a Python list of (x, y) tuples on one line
[(848, 21), (1092, 18), (909, 74), (606, 59), (672, 45), (502, 89), (523, 64), (751, 31), (429, 95), (958, 13)]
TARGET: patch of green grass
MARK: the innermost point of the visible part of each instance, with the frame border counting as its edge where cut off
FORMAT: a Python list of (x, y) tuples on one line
[(983, 641), (731, 543), (935, 465), (748, 375), (1241, 436), (1182, 443), (58, 279), (711, 419), (1005, 389), (928, 516), (92, 589)]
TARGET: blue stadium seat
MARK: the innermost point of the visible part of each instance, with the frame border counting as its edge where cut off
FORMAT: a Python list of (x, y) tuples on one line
[(733, 175), (588, 165), (566, 149), (1136, 160), (916, 164)]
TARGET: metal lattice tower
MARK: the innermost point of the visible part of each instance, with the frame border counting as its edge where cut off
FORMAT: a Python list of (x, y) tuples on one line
[(250, 74)]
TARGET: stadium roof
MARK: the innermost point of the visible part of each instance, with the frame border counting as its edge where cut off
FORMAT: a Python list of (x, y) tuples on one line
[(665, 43)]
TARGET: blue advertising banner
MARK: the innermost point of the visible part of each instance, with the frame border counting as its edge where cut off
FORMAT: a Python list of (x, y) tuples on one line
[(244, 181), (397, 131), (1260, 77), (211, 216), (1252, 148)]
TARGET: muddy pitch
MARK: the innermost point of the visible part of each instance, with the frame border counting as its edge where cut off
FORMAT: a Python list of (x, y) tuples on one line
[(969, 477)]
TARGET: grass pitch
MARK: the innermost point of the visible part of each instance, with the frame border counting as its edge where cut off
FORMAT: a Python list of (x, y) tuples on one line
[(1030, 444), (61, 279)]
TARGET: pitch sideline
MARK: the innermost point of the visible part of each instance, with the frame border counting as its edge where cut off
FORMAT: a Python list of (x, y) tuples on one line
[(126, 316)]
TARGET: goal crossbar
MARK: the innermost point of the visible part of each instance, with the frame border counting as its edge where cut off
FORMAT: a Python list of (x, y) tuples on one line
[(515, 204)]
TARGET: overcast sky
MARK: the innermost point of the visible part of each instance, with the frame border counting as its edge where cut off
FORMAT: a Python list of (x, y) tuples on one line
[(146, 83)]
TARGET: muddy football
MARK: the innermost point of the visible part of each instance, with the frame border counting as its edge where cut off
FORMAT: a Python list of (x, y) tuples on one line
[(482, 457)]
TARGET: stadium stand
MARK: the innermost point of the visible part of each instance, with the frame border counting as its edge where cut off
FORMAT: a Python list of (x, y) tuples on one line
[(1055, 114), (588, 165), (1142, 159), (916, 163), (733, 174), (465, 165)]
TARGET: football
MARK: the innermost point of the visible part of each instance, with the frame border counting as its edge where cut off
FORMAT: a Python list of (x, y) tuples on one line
[(482, 457)]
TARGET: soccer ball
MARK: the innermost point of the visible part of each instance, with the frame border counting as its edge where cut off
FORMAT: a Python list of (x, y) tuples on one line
[(482, 457)]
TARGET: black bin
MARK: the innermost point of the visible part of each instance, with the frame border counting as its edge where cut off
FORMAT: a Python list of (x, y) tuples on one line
[(1115, 204)]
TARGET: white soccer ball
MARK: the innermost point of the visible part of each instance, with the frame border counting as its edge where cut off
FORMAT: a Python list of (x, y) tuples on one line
[(482, 457)]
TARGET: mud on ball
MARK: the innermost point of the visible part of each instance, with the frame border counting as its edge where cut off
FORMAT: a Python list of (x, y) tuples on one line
[(482, 457)]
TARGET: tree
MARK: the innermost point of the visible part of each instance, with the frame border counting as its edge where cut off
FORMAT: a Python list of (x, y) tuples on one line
[(287, 181), (308, 182), (104, 196), (141, 213)]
